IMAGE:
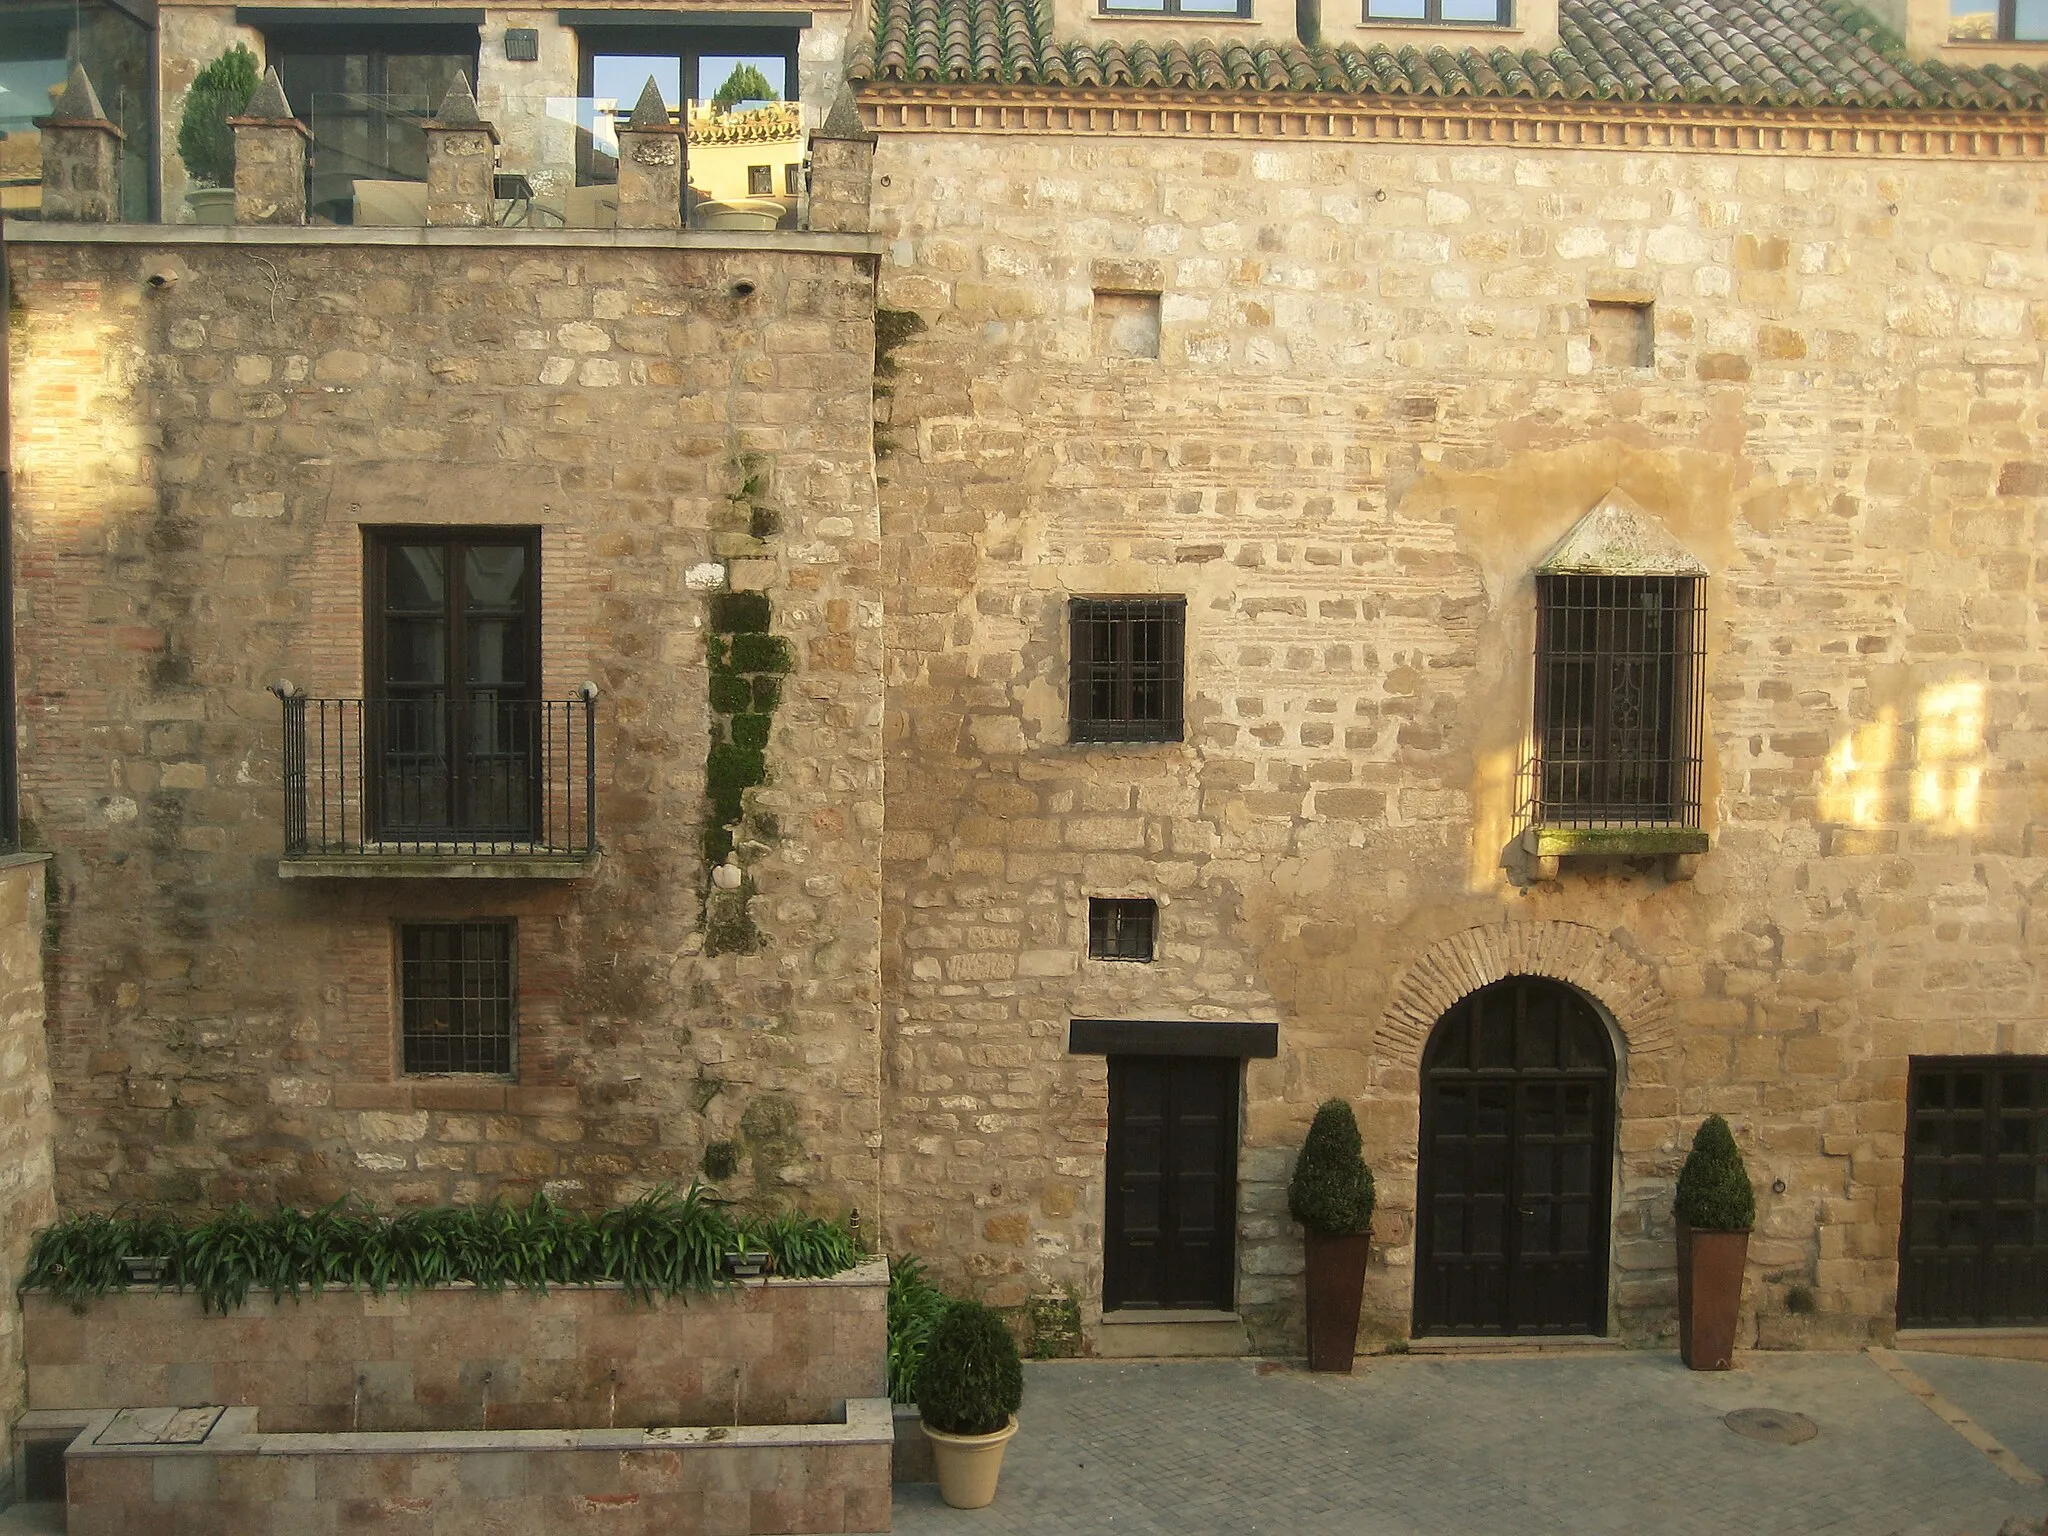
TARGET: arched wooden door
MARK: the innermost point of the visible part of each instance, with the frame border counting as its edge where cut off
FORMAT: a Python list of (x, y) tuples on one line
[(1516, 1168)]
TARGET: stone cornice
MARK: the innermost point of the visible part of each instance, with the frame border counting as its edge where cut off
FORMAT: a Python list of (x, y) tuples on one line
[(889, 107)]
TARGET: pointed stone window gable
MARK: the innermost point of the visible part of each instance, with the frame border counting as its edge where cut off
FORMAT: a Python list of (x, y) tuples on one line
[(1617, 740)]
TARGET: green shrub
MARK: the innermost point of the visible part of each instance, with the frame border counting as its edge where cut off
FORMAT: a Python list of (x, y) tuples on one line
[(1714, 1192), (664, 1244), (971, 1380), (220, 91), (1332, 1189), (915, 1307)]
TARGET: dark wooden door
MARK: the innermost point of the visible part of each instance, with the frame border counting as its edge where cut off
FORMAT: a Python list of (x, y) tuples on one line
[(1172, 1226), (1973, 1249), (1517, 1160)]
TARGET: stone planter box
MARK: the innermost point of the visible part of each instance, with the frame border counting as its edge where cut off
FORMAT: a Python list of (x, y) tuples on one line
[(764, 1352), (634, 1482)]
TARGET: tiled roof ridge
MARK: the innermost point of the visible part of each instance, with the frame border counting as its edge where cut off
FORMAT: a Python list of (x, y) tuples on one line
[(1766, 53)]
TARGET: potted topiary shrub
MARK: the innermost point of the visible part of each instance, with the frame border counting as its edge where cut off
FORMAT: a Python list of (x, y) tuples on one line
[(1716, 1206), (968, 1387), (1331, 1195), (205, 141)]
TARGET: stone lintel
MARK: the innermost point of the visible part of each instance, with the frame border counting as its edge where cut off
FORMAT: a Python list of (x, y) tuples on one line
[(1618, 538)]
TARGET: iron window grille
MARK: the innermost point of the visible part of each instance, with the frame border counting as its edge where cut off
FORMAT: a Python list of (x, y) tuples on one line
[(1127, 668), (1620, 689), (456, 995), (1122, 928)]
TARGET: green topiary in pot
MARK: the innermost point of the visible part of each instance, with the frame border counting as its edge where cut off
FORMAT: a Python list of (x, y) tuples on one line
[(1714, 1192), (1332, 1189), (971, 1379), (220, 91)]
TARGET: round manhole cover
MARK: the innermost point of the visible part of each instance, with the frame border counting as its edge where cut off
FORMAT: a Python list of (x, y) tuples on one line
[(1773, 1426)]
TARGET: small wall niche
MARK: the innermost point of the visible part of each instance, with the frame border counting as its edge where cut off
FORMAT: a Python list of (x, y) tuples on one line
[(1624, 333), (1126, 324)]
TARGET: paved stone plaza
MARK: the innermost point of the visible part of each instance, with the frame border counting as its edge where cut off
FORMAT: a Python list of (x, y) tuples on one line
[(1625, 1442)]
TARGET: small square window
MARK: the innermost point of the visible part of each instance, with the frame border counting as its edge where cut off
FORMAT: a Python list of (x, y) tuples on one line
[(455, 988), (1122, 928), (760, 181), (1624, 333), (1126, 324), (1125, 683)]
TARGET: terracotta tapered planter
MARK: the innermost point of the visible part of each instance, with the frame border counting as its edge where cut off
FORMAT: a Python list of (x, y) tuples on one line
[(1710, 1266), (1336, 1280), (969, 1464)]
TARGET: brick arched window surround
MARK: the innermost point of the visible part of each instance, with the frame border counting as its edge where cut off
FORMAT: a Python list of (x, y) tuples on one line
[(1583, 957)]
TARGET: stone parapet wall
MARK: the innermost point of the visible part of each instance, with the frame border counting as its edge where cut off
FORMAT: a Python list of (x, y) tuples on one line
[(197, 459), (762, 1352), (1379, 398), (244, 1482), (27, 1191)]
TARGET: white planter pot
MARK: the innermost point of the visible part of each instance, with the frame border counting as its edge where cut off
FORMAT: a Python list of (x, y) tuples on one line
[(969, 1464), (211, 205)]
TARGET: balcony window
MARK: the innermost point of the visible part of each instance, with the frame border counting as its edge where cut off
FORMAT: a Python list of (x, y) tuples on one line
[(1126, 669), (453, 755)]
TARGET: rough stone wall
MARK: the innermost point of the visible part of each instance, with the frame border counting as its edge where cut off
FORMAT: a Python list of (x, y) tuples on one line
[(27, 1194), (1376, 405), (195, 465)]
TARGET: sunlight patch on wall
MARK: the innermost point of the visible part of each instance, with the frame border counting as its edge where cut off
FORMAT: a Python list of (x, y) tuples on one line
[(1948, 756), (1866, 783)]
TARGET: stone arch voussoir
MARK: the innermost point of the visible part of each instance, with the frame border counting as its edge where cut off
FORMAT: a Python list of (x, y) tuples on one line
[(1459, 965)]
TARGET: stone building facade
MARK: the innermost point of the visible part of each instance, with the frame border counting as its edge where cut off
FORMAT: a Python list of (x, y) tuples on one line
[(1339, 375), (1313, 353)]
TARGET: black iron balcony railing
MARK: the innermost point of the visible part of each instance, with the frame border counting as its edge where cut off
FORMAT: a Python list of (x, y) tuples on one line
[(469, 776)]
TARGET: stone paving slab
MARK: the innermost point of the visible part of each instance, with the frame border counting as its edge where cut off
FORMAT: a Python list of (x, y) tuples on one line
[(2007, 1397), (1629, 1443)]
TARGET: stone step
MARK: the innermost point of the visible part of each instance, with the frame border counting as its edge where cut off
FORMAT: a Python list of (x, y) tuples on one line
[(1171, 1336), (2002, 1343), (1510, 1344)]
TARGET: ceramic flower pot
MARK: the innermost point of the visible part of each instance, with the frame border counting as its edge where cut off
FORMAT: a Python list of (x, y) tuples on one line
[(1336, 1281), (211, 205), (969, 1464), (1710, 1266)]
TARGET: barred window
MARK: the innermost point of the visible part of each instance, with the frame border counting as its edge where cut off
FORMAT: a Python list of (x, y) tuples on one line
[(456, 997), (1619, 673), (1122, 928), (1127, 668)]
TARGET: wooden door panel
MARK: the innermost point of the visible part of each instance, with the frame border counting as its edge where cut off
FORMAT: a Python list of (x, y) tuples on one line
[(1973, 1245), (1517, 1154), (1172, 1172)]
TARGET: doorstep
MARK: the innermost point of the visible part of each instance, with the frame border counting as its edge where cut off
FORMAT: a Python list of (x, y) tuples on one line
[(1517, 1344), (1164, 1335), (2000, 1343)]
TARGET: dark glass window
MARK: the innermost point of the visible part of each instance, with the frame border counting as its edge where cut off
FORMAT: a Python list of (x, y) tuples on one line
[(1122, 928), (1469, 13), (454, 667), (686, 64), (455, 988), (1618, 674), (39, 42), (760, 181), (1126, 678), (364, 93)]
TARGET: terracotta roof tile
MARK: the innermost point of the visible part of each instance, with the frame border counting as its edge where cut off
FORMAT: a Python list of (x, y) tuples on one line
[(1754, 52)]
